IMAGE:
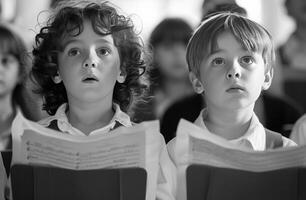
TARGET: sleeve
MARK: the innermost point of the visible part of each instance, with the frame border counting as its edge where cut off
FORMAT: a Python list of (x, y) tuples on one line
[(298, 133), (166, 182), (288, 143)]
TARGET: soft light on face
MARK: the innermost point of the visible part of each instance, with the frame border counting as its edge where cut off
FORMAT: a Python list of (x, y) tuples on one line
[(231, 76), (89, 66)]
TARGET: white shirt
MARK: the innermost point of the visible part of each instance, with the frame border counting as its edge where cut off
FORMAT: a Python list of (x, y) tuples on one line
[(255, 135), (165, 177), (298, 133), (65, 127), (255, 138)]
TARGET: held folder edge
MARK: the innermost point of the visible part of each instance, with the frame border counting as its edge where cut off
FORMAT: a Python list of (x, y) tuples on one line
[(215, 183), (49, 183)]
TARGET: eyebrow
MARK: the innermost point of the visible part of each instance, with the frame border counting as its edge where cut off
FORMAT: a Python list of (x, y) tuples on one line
[(215, 51), (100, 40), (67, 42)]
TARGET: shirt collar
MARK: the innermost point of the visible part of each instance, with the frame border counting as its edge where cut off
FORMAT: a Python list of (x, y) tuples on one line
[(255, 135), (64, 125)]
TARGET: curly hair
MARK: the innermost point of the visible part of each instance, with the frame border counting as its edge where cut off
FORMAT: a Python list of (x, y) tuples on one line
[(68, 21)]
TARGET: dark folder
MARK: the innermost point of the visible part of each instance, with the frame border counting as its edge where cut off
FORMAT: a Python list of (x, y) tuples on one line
[(214, 183), (50, 183)]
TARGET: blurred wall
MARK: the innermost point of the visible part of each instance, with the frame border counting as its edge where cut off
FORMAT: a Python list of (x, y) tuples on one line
[(148, 13)]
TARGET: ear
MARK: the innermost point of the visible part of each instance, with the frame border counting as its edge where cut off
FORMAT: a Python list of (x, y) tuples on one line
[(121, 77), (196, 83), (268, 79), (57, 78)]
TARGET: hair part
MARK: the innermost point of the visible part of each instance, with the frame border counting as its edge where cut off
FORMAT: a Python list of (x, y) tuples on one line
[(251, 35)]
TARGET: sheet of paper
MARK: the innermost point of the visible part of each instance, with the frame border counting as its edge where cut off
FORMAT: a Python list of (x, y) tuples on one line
[(108, 152), (215, 151), (137, 146), (123, 147), (204, 152)]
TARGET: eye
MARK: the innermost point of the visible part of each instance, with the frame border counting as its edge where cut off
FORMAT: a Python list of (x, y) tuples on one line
[(103, 51), (247, 60), (73, 52), (6, 60), (218, 61)]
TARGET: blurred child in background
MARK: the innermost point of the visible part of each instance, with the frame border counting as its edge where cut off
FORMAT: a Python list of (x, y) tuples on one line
[(293, 52), (169, 72), (14, 94)]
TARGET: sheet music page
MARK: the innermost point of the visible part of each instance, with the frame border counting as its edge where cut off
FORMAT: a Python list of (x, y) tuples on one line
[(122, 147), (137, 146), (215, 151), (108, 152)]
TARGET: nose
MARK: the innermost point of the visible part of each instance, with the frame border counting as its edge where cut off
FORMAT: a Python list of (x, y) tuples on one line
[(90, 60), (234, 72), (89, 63)]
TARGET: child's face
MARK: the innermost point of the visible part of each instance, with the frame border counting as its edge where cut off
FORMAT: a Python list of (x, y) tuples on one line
[(231, 77), (171, 59), (89, 66), (9, 73)]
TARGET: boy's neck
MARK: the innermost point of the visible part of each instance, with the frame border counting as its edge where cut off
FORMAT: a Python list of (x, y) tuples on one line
[(88, 118), (228, 124)]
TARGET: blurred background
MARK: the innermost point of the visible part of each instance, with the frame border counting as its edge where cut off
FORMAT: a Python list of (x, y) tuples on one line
[(148, 13)]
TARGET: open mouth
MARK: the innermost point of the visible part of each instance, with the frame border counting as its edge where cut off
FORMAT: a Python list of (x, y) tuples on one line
[(235, 89), (90, 78)]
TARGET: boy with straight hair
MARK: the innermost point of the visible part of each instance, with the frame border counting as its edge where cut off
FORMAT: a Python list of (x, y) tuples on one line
[(230, 59)]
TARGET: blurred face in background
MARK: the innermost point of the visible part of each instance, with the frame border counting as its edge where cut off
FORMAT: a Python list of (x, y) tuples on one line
[(9, 73), (170, 58), (297, 9)]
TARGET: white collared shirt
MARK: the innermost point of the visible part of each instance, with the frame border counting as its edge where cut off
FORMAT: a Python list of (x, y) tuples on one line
[(298, 133), (255, 138), (65, 127), (255, 135), (164, 190)]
